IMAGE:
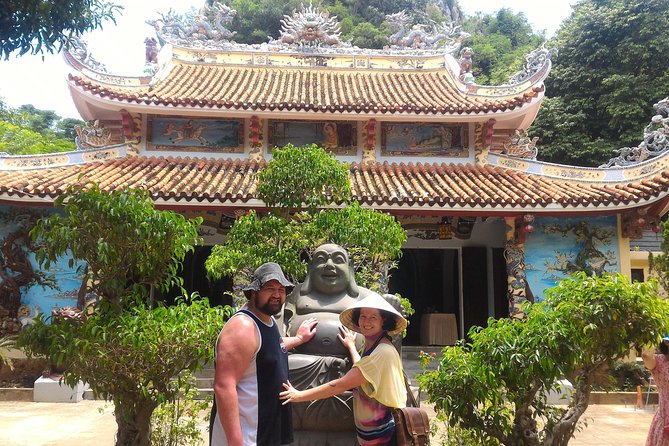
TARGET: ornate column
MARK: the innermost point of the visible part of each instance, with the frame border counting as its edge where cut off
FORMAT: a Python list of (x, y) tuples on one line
[(514, 254), (256, 138)]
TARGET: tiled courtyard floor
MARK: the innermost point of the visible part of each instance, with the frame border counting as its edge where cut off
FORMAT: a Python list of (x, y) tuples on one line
[(91, 423)]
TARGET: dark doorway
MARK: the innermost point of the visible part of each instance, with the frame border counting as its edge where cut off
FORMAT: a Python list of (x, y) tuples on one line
[(429, 278), (195, 280)]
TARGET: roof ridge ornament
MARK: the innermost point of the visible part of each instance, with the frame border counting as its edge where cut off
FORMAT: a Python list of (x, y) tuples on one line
[(447, 35), (655, 140), (208, 24), (310, 28), (520, 145), (534, 62), (78, 48)]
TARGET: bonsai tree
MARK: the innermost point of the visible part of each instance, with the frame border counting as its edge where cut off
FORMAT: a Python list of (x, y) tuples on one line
[(309, 192), (128, 348), (496, 386)]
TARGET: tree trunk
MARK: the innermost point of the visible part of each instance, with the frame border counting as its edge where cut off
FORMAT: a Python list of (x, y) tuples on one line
[(564, 429), (134, 429)]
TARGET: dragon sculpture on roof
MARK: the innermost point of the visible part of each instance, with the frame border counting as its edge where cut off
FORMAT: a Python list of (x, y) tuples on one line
[(446, 35), (655, 139), (209, 24), (534, 62)]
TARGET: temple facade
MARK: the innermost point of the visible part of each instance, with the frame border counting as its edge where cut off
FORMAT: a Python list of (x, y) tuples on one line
[(489, 226)]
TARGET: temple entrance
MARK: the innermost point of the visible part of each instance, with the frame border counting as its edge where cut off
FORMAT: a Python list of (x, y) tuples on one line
[(195, 279), (461, 286)]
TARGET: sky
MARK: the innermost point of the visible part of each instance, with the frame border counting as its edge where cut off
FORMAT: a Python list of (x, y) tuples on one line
[(41, 81)]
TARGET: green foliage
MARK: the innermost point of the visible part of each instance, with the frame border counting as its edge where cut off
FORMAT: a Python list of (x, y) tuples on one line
[(608, 74), (21, 141), (28, 131), (128, 246), (500, 42), (311, 178), (131, 358), (495, 387), (176, 423), (37, 26), (627, 376), (306, 176)]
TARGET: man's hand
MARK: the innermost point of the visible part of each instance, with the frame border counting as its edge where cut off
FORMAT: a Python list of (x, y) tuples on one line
[(307, 330)]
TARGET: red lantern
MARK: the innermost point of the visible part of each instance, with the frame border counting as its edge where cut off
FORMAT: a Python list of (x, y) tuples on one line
[(528, 229), (641, 222), (656, 229)]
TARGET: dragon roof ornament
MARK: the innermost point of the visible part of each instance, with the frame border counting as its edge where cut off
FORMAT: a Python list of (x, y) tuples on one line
[(655, 139), (446, 35), (534, 62), (208, 24), (78, 48), (310, 27)]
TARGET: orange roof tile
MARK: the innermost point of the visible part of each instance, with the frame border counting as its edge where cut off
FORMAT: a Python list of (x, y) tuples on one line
[(269, 88), (435, 187)]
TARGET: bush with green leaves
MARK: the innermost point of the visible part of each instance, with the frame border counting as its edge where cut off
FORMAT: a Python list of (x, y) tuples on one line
[(129, 247), (131, 347), (496, 385), (303, 184), (131, 358), (177, 422)]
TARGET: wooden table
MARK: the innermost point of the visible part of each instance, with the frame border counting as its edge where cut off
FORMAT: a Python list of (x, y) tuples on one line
[(438, 329)]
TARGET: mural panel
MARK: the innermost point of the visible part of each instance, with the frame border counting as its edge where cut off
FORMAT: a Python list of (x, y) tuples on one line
[(408, 139), (336, 137), (18, 287), (561, 246), (197, 135)]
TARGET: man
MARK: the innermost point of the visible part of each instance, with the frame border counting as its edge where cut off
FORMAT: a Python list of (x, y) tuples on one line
[(251, 366)]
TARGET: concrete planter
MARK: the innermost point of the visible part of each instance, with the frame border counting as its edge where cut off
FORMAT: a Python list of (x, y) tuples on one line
[(626, 398)]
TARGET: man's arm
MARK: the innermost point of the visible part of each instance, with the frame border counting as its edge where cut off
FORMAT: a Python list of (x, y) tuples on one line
[(305, 332), (237, 344)]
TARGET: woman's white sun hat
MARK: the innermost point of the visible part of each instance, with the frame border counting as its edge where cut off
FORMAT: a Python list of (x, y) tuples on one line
[(374, 300)]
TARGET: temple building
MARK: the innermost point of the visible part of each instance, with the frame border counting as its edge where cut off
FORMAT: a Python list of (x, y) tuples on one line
[(488, 225)]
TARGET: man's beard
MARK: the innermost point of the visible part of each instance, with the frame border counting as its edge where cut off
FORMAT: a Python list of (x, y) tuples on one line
[(269, 308)]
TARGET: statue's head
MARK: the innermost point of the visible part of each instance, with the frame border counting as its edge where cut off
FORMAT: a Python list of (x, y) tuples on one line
[(330, 272)]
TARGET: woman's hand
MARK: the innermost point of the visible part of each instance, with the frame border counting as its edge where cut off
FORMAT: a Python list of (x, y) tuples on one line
[(347, 337), (291, 394)]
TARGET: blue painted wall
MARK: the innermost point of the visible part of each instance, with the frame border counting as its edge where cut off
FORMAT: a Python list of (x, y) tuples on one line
[(561, 246)]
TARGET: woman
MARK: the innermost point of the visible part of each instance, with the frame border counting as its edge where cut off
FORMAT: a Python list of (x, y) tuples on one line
[(376, 376), (658, 364)]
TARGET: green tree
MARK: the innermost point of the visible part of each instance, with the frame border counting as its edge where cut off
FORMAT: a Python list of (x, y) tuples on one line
[(129, 247), (28, 131), (499, 41), (37, 26), (127, 350), (495, 387), (609, 72), (138, 359), (303, 182)]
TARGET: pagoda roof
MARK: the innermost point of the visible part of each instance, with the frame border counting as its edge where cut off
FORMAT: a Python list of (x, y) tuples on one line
[(256, 81), (436, 188)]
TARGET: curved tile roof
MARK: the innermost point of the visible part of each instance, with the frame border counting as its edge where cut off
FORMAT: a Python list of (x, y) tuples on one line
[(433, 187), (269, 88)]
